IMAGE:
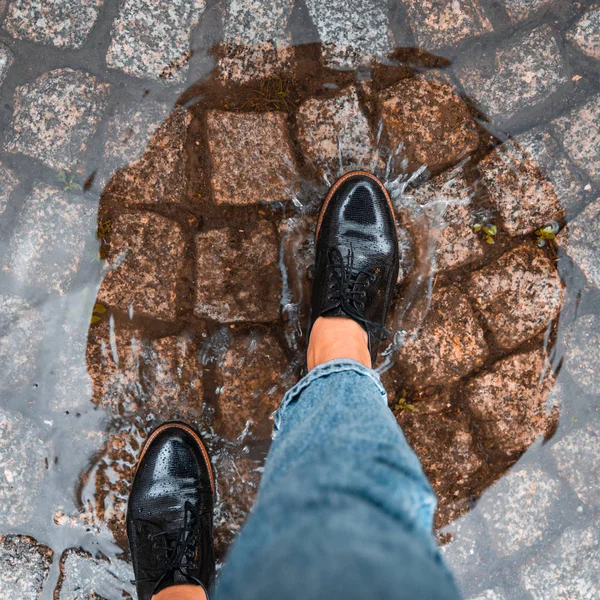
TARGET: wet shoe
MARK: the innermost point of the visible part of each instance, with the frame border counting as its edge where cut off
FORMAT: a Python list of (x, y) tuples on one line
[(170, 512), (356, 258)]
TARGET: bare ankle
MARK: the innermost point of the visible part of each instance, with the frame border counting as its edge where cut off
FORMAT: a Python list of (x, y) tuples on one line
[(337, 337), (181, 592)]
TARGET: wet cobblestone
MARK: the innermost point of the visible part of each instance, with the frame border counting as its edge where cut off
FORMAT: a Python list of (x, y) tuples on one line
[(237, 277), (449, 214), (335, 135), (133, 375), (440, 434), (510, 401), (430, 121), (518, 296), (523, 198), (132, 283), (252, 383), (265, 172), (447, 345)]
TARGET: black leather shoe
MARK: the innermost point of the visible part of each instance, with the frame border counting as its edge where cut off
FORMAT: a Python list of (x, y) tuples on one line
[(356, 258), (170, 512)]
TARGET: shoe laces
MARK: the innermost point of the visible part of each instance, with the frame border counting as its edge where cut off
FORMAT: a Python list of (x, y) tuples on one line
[(179, 548), (347, 287)]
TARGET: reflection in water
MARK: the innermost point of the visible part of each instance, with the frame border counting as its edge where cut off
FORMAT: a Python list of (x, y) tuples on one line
[(197, 284)]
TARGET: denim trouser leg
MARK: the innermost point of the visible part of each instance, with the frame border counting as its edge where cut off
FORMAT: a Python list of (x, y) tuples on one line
[(344, 510)]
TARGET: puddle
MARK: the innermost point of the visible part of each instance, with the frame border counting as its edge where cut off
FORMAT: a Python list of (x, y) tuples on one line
[(157, 252)]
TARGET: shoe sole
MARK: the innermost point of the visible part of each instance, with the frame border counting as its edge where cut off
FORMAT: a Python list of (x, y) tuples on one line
[(336, 186), (188, 429)]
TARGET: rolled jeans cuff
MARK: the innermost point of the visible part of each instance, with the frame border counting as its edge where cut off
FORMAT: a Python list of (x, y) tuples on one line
[(339, 365)]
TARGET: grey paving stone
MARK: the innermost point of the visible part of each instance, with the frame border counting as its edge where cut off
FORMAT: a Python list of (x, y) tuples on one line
[(252, 382), (8, 182), (522, 72), (237, 275), (518, 508), (25, 565), (510, 401), (55, 117), (23, 459), (146, 259), (568, 185), (127, 136), (444, 346), (585, 34), (581, 241), (155, 172), (518, 295), (579, 132), (256, 40), (62, 24), (151, 39), (353, 33), (83, 577), (6, 60), (252, 159), (449, 216), (519, 10), (21, 333), (334, 134), (47, 246), (430, 122), (568, 570), (583, 353), (439, 23), (577, 457)]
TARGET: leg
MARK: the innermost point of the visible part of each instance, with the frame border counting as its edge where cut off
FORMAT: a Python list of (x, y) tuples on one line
[(344, 510)]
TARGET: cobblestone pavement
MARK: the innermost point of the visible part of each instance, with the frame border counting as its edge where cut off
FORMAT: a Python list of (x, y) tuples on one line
[(161, 169)]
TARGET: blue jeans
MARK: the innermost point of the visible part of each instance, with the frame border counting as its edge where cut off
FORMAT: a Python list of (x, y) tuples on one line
[(344, 509)]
